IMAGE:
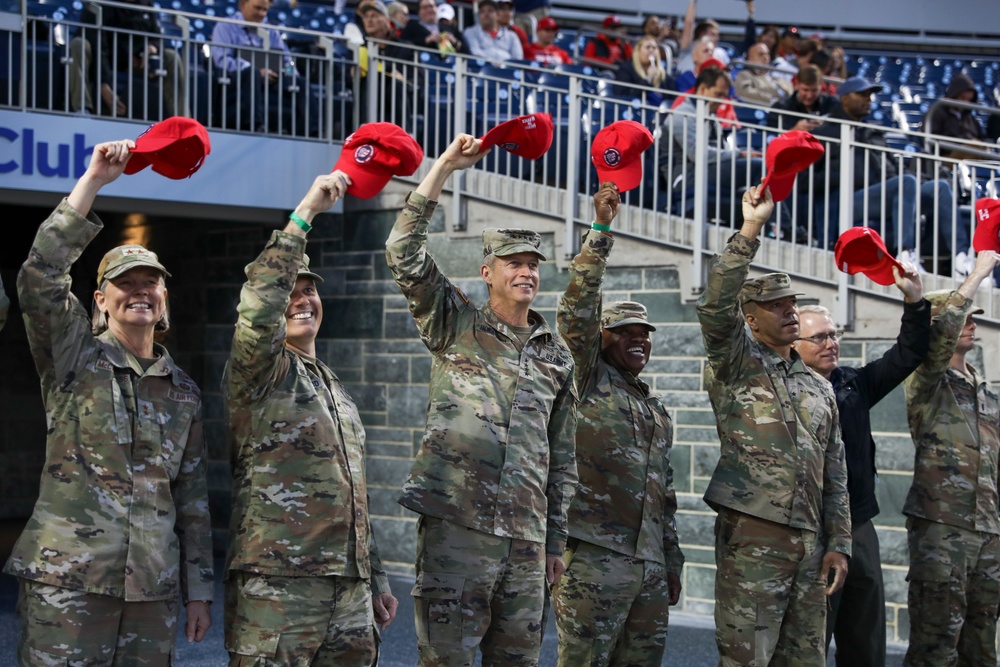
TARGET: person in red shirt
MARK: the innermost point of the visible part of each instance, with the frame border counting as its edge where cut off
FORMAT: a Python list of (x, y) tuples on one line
[(545, 51), (609, 48)]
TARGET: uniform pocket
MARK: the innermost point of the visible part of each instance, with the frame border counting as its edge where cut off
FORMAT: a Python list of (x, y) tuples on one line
[(257, 620), (438, 600)]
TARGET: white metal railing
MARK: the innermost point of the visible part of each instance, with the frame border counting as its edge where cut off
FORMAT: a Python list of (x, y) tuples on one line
[(59, 65), (690, 193)]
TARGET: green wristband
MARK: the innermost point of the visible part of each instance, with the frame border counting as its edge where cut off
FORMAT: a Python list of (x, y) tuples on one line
[(601, 228), (297, 219)]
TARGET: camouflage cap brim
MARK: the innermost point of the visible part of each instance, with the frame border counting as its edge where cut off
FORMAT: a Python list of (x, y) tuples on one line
[(516, 248), (631, 320)]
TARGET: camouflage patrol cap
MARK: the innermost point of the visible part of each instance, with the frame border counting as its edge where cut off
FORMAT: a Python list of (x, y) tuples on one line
[(504, 242), (938, 299), (305, 271), (622, 313), (767, 287), (125, 258)]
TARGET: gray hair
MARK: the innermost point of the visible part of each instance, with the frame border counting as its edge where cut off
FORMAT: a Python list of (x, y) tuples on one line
[(99, 320), (816, 310)]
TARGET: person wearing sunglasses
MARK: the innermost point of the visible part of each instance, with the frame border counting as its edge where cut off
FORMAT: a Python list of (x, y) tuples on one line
[(857, 611)]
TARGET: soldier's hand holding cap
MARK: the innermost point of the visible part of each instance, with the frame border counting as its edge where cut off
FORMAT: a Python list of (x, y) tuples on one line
[(606, 202), (757, 205)]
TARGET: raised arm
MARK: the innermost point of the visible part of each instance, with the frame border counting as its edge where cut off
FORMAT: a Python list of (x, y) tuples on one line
[(58, 326), (579, 315), (255, 362), (429, 294), (718, 308)]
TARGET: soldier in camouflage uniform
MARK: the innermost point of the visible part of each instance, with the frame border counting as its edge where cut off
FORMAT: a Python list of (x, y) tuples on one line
[(304, 582), (495, 472), (121, 528), (780, 485), (4, 306), (623, 560), (952, 525)]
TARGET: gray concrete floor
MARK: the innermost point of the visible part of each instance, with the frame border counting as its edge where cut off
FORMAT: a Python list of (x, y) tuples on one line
[(691, 642)]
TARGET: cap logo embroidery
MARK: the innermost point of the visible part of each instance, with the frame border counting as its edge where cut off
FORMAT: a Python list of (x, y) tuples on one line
[(983, 214), (528, 122), (364, 154), (612, 157), (510, 146), (144, 132)]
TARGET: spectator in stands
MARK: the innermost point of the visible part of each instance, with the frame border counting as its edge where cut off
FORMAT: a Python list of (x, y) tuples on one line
[(838, 67), (757, 85), (659, 30), (427, 32), (705, 30), (824, 63), (645, 69), (397, 84), (505, 16), (805, 51), (399, 16), (701, 52), (952, 122), (883, 181), (260, 70), (525, 9), (807, 99), (131, 43), (785, 58), (608, 48), (489, 40), (770, 36), (678, 154), (545, 51)]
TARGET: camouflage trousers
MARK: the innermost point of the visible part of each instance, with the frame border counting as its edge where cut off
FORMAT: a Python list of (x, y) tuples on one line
[(770, 606), (475, 590), (321, 621), (954, 592), (611, 609), (63, 627)]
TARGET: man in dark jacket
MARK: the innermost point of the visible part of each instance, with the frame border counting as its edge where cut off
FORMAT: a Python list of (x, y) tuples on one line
[(857, 612), (808, 98), (954, 123)]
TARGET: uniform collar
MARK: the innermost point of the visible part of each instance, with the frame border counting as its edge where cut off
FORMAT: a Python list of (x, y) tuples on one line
[(119, 357)]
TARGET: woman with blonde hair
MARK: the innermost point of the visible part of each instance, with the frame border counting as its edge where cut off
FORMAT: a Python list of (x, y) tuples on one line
[(645, 69)]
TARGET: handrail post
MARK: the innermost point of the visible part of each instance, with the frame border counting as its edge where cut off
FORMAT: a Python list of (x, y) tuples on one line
[(842, 311), (458, 209), (573, 117), (700, 195)]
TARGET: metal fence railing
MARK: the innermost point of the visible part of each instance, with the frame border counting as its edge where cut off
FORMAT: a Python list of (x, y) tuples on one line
[(693, 178)]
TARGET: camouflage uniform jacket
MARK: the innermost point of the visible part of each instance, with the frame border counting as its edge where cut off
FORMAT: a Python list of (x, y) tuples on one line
[(4, 306), (497, 455), (955, 426), (626, 500), (782, 457), (300, 505), (123, 505)]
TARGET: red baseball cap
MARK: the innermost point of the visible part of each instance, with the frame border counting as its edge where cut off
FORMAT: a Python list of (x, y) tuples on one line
[(861, 250), (376, 152), (528, 136), (787, 155), (611, 21), (987, 235), (617, 153), (546, 23), (175, 147), (711, 62)]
